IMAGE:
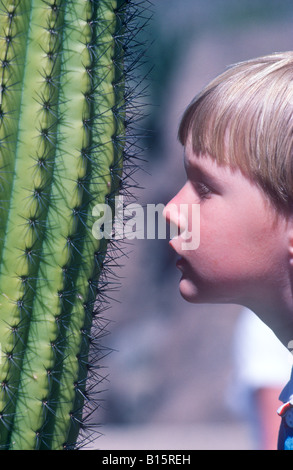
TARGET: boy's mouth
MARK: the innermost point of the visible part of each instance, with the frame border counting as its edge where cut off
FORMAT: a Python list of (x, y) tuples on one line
[(180, 263)]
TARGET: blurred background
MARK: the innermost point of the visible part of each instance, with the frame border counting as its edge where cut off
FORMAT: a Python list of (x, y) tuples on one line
[(187, 376)]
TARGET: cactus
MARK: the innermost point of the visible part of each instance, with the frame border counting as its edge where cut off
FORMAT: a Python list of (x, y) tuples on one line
[(62, 144)]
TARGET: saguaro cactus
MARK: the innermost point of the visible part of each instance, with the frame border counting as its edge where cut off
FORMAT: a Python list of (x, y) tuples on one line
[(62, 136)]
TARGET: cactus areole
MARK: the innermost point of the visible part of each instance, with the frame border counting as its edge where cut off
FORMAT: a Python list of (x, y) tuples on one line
[(62, 145)]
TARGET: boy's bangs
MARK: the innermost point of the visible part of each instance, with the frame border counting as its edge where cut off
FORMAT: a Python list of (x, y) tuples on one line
[(220, 130)]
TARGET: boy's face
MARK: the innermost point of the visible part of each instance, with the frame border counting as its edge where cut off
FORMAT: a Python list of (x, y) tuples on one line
[(243, 249)]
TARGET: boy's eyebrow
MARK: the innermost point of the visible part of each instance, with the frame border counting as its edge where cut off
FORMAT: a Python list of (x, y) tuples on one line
[(202, 172)]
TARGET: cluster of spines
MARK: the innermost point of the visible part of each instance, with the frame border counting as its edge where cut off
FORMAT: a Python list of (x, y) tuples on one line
[(50, 263)]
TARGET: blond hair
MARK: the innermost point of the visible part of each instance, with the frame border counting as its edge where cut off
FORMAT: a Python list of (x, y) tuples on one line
[(244, 118)]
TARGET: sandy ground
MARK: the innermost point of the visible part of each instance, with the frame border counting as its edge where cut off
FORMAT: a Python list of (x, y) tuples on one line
[(216, 436)]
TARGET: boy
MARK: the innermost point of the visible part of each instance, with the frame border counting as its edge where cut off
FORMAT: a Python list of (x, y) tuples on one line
[(238, 153)]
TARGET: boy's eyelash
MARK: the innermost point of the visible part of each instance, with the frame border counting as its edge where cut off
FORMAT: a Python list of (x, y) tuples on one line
[(202, 189)]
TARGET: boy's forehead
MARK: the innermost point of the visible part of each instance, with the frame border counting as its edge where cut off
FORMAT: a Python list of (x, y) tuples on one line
[(206, 165), (199, 161), (196, 159)]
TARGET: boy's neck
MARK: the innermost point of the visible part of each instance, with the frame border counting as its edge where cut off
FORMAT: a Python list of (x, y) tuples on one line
[(277, 313)]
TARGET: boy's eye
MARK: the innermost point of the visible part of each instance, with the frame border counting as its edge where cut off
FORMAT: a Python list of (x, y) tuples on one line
[(202, 190)]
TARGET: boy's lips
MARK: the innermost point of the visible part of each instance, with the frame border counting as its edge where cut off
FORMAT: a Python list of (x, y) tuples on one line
[(180, 262)]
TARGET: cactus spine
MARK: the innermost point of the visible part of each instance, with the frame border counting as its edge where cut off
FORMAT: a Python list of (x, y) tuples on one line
[(61, 150)]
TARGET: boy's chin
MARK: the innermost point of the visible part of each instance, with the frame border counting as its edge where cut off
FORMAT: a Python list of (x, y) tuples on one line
[(189, 292), (206, 293), (201, 293)]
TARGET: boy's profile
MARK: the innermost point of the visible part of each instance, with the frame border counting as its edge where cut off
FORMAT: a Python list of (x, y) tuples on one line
[(237, 136)]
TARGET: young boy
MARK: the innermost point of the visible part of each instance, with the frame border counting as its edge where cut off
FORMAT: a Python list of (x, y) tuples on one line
[(238, 153)]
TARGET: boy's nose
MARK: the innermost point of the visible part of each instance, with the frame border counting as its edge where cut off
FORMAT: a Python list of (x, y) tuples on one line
[(173, 215)]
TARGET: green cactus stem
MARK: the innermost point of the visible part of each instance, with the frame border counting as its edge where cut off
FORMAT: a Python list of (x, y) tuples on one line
[(62, 145)]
